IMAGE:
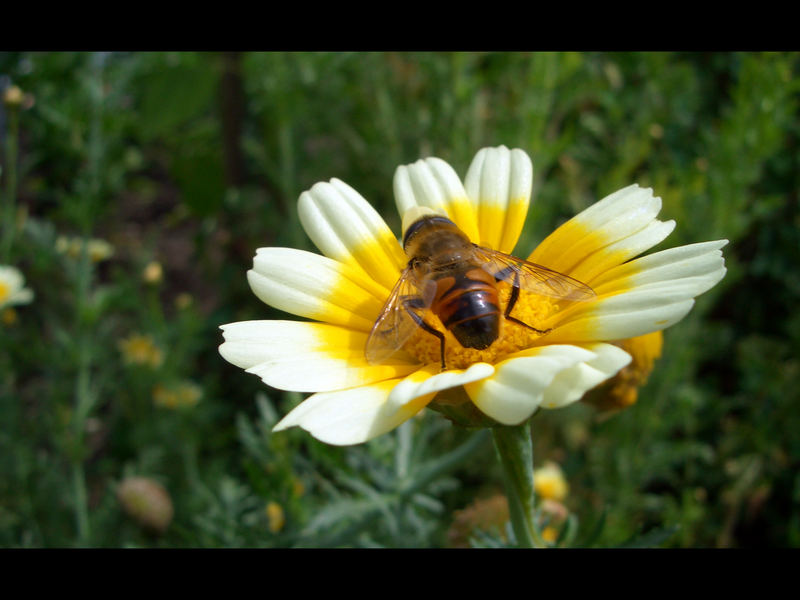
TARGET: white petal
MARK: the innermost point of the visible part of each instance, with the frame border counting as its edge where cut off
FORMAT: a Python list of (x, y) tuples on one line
[(305, 357), (354, 416), (359, 414), (499, 181), (518, 385), (623, 250), (578, 245), (642, 295), (428, 380), (316, 287), (702, 260), (433, 183), (345, 227), (624, 316), (23, 296), (571, 384), (12, 277)]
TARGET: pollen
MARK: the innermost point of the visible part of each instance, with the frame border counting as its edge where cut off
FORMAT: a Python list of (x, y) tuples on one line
[(531, 309)]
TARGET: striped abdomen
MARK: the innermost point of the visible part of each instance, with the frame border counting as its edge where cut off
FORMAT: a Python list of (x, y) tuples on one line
[(466, 303)]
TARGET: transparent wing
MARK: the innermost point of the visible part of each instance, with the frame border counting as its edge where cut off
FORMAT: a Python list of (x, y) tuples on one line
[(532, 277), (394, 326)]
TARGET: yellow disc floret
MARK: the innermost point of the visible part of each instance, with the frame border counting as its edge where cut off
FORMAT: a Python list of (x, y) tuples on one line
[(532, 309)]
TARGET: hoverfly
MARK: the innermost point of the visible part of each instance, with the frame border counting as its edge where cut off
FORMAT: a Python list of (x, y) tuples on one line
[(457, 280)]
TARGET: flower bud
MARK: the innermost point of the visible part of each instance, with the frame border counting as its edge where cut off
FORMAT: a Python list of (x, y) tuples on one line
[(153, 273), (275, 516), (13, 96), (147, 502)]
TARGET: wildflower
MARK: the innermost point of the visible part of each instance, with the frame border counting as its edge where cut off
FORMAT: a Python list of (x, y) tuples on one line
[(153, 272), (622, 390), (13, 96), (550, 534), (12, 288), (549, 482), (147, 502), (141, 350), (275, 516), (183, 301), (14, 99), (98, 250), (344, 292), (180, 395)]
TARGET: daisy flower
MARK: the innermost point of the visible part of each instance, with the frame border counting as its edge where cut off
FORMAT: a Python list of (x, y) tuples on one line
[(343, 291), (12, 287)]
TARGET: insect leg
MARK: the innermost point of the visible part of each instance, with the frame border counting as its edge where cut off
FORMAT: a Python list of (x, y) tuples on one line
[(416, 303), (512, 299)]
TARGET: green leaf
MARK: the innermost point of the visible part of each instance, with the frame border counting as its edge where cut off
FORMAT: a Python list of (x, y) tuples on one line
[(652, 539)]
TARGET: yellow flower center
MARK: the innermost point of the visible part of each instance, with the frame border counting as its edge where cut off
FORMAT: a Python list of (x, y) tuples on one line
[(4, 292), (531, 309)]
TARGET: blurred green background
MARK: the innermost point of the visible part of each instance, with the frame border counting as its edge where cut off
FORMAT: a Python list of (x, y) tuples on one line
[(185, 163)]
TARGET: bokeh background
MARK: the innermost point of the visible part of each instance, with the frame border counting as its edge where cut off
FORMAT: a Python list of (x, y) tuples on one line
[(137, 186)]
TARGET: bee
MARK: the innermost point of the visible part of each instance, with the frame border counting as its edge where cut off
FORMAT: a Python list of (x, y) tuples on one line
[(457, 280)]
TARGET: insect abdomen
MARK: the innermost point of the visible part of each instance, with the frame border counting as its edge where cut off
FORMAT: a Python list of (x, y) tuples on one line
[(467, 305)]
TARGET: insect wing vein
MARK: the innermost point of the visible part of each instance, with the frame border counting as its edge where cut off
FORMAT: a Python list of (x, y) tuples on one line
[(394, 326), (533, 278)]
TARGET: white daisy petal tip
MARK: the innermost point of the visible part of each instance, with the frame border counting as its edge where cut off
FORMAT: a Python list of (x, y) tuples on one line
[(430, 182), (517, 388), (572, 383), (347, 417), (425, 382)]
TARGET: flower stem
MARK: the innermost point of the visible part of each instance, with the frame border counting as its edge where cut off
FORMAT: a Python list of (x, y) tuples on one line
[(515, 451), (10, 200)]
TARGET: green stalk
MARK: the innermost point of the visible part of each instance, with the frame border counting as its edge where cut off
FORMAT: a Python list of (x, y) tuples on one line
[(84, 396), (83, 399), (515, 451), (9, 208)]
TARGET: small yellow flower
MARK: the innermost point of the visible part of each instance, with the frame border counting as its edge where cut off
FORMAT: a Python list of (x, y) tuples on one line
[(13, 96), (549, 482), (622, 390), (342, 293), (147, 502), (98, 250), (12, 288), (275, 516), (549, 534), (180, 395), (141, 350), (183, 301), (153, 273)]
